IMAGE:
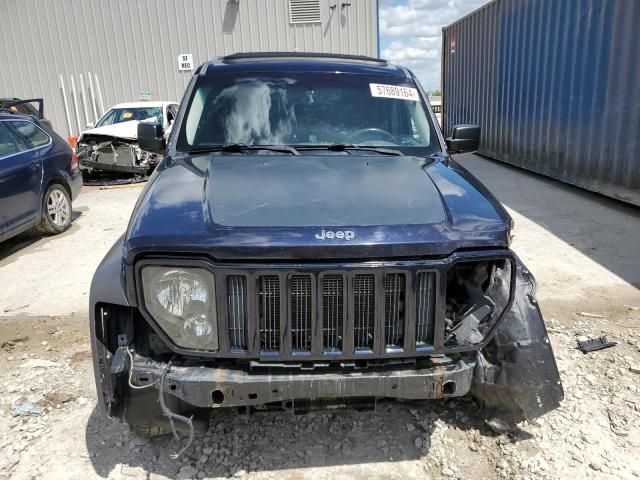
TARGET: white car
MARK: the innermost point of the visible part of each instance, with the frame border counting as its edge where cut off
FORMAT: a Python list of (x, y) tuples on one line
[(111, 145), (120, 118)]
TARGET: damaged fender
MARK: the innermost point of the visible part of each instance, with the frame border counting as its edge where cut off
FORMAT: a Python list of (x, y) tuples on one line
[(516, 374)]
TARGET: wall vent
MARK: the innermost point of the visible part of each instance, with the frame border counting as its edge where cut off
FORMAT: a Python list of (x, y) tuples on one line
[(304, 11)]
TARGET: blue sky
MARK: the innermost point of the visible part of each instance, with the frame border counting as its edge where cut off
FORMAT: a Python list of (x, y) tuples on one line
[(411, 30)]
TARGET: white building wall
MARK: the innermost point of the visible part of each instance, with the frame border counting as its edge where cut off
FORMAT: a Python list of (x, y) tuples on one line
[(133, 45)]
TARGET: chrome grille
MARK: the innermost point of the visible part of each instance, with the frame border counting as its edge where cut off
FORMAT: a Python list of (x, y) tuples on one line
[(425, 300), (237, 311), (269, 313), (332, 312), (394, 309), (364, 311), (301, 312)]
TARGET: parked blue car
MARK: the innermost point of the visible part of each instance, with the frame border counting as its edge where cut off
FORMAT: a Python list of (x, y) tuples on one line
[(39, 177)]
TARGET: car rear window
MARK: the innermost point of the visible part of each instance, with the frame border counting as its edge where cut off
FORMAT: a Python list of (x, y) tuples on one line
[(30, 133)]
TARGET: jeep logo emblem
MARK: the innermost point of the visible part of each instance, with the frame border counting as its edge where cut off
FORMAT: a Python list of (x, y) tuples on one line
[(330, 234)]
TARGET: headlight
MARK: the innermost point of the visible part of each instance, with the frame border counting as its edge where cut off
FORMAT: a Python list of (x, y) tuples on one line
[(182, 301)]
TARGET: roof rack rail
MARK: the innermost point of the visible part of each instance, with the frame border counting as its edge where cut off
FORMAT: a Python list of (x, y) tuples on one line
[(283, 56)]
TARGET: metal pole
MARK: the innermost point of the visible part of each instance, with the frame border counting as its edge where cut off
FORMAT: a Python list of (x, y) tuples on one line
[(75, 104), (93, 98), (99, 95), (66, 109), (83, 97)]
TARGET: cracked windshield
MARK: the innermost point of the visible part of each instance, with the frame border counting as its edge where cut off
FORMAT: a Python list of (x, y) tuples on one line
[(306, 109)]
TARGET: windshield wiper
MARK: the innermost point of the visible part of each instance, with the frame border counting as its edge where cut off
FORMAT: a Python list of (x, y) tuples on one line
[(241, 147), (344, 147)]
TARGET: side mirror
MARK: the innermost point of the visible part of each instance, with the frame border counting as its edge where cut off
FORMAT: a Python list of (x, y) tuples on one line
[(464, 139), (151, 137), (89, 125)]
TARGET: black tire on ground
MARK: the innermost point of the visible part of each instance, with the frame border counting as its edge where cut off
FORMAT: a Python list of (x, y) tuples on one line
[(149, 431), (56, 210)]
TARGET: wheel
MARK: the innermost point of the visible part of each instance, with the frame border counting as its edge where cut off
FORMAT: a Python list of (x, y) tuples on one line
[(149, 431), (56, 210)]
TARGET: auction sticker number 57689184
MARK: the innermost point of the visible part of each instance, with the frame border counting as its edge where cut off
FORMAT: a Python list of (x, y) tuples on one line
[(394, 91)]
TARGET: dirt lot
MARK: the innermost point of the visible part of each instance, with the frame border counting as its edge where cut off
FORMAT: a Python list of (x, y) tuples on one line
[(582, 248)]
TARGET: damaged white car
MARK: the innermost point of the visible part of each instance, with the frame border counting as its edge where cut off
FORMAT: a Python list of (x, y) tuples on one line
[(111, 145)]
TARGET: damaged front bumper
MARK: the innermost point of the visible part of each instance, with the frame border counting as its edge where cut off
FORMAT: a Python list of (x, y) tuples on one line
[(91, 165), (97, 153), (205, 387), (514, 372)]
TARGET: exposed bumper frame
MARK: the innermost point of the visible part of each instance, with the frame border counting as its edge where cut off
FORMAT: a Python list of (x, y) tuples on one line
[(113, 167), (226, 387)]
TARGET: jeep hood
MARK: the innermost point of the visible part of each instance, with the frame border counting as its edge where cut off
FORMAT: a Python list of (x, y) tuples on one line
[(237, 206)]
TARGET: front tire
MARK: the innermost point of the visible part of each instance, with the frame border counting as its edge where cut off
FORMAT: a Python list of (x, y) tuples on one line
[(56, 210)]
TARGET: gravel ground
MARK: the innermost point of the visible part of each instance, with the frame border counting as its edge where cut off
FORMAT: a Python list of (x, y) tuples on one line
[(582, 248)]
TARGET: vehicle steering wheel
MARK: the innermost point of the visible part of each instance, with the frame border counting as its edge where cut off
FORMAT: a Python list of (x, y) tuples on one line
[(379, 132)]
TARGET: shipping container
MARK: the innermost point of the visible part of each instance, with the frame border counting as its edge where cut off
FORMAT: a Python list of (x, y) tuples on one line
[(555, 87)]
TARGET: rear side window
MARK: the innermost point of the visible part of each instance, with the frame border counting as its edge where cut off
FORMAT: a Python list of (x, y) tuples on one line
[(8, 145), (32, 135)]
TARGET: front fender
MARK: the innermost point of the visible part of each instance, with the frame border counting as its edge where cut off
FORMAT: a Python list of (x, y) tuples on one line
[(106, 285), (106, 288), (516, 373)]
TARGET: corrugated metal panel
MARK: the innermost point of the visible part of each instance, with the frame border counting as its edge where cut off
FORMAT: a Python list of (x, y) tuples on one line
[(554, 86), (133, 46)]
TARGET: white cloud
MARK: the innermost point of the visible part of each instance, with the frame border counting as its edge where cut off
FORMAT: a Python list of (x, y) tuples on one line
[(412, 32), (401, 53)]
